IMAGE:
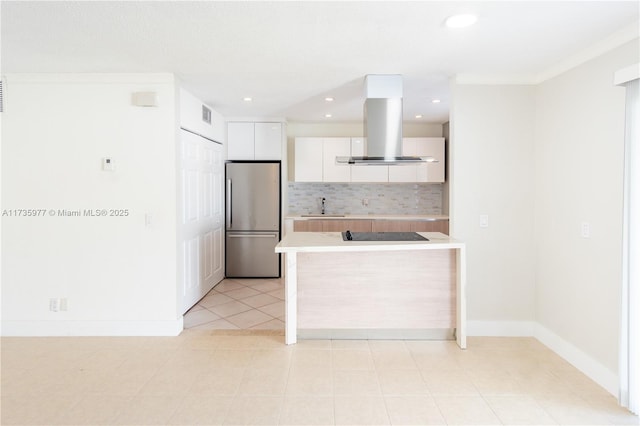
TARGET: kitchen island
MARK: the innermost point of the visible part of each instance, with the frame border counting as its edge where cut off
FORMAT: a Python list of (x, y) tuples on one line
[(373, 289)]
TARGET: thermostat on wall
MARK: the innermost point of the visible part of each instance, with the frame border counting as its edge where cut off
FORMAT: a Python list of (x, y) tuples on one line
[(108, 164), (145, 99)]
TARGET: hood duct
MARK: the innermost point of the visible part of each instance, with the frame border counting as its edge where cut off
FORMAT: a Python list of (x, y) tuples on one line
[(383, 124)]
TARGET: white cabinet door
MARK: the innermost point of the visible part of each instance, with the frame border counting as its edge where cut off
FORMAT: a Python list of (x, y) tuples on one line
[(240, 141), (308, 155), (430, 147), (364, 173), (268, 141), (332, 148)]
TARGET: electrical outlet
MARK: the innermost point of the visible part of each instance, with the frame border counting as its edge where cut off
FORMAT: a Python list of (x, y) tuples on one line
[(365, 202), (585, 230)]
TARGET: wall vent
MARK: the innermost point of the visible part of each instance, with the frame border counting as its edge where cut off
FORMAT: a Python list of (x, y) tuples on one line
[(206, 114), (1, 98)]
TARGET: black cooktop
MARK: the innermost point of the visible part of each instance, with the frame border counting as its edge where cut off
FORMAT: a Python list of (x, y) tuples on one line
[(382, 236)]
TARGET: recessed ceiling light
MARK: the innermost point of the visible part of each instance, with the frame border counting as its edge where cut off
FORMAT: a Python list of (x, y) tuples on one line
[(435, 101), (461, 21), (328, 99), (327, 115), (247, 99), (418, 115)]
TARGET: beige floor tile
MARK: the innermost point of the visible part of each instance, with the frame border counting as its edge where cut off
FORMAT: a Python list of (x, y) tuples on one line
[(435, 361), (348, 359), (123, 381), (274, 324), (519, 410), (572, 410), (242, 293), (275, 309), (148, 410), (310, 382), (255, 410), (231, 358), (307, 411), (310, 359), (360, 410), (413, 410), (402, 382), (267, 286), (193, 319), (174, 381), (609, 407), (230, 308), (392, 359), (449, 382), (259, 300), (271, 358), (264, 382), (277, 293), (489, 382), (356, 383), (214, 299), (466, 410), (220, 324), (223, 381), (355, 345), (227, 285), (248, 319), (94, 409), (201, 410), (26, 410)]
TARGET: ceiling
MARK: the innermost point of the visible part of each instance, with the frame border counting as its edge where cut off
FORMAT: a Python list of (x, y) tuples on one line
[(289, 56)]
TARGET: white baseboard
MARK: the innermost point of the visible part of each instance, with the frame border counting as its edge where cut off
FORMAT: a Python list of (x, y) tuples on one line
[(501, 328), (579, 359), (576, 357), (92, 328)]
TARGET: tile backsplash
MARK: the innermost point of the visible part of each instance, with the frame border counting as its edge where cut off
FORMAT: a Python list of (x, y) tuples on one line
[(382, 198)]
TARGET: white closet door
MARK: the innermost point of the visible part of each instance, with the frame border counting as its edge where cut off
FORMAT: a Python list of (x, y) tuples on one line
[(201, 250)]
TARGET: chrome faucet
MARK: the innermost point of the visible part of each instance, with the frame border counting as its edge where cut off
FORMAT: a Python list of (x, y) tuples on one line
[(323, 200)]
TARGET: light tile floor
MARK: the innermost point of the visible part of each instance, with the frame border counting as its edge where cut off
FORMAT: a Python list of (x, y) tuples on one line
[(240, 304), (234, 377)]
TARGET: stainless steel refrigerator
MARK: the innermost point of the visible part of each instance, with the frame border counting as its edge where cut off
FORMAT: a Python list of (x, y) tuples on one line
[(252, 219)]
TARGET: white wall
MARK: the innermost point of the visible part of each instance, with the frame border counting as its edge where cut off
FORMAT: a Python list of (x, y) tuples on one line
[(579, 172), (491, 152), (117, 274)]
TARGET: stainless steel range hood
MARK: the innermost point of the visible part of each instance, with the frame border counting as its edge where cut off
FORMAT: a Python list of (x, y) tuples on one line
[(383, 124)]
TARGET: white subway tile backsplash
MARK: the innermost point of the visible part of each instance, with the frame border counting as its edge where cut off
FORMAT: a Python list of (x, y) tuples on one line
[(383, 198)]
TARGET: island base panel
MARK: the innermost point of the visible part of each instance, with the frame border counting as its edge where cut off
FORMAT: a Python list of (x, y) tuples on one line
[(402, 290)]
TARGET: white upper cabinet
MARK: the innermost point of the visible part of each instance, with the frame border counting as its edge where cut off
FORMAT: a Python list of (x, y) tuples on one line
[(430, 172), (268, 141), (315, 161), (332, 148), (308, 156), (240, 141), (254, 141)]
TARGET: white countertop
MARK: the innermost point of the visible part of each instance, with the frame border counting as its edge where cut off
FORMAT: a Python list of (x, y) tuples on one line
[(315, 242), (426, 217)]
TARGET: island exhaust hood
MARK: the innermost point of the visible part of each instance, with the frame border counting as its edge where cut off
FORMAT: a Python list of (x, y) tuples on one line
[(383, 124)]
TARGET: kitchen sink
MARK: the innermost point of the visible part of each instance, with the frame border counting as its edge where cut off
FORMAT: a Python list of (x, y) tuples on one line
[(322, 215)]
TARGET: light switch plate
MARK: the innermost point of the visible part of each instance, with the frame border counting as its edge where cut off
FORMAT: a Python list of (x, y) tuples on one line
[(484, 221), (108, 165)]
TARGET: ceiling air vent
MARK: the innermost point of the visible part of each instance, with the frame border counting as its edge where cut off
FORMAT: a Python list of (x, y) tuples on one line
[(206, 114)]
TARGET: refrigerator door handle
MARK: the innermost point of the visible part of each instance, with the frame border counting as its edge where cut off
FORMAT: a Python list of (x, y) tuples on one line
[(229, 211), (253, 235)]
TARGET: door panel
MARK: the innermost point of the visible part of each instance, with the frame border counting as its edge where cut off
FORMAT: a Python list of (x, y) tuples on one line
[(252, 254), (201, 228)]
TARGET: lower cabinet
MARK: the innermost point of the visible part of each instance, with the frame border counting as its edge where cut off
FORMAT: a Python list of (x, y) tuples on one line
[(363, 225)]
